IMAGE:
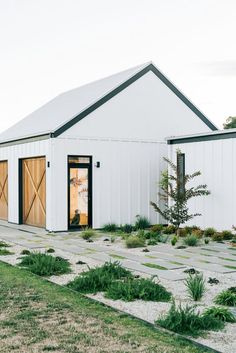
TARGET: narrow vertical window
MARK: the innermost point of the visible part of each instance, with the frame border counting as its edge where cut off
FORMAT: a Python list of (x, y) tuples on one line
[(181, 173)]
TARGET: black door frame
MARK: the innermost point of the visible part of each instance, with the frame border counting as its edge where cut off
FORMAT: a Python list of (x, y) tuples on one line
[(90, 191)]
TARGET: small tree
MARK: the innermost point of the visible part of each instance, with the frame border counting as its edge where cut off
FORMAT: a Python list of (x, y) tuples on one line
[(176, 211)]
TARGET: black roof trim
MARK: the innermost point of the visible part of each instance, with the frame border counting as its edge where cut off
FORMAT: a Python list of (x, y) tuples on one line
[(202, 138), (124, 85)]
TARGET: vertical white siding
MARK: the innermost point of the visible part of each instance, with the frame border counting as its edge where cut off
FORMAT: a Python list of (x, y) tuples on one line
[(12, 154), (123, 186), (217, 162)]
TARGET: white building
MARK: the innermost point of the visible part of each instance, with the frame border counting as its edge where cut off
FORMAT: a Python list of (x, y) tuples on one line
[(93, 155), (214, 155)]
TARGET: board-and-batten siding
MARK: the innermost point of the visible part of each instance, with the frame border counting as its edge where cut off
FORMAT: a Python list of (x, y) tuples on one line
[(123, 186), (217, 162), (12, 154)]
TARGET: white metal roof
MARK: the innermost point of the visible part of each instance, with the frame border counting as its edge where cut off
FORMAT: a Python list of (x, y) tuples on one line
[(68, 108), (65, 106)]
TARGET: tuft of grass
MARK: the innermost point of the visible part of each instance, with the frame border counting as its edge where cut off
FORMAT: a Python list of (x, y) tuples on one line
[(157, 228), (226, 297), (220, 313), (99, 278), (45, 265), (158, 267), (170, 229), (186, 320), (88, 234), (4, 252), (127, 228), (152, 242), (195, 286), (191, 240), (142, 222), (174, 240), (110, 227), (115, 256), (132, 289), (135, 241), (3, 244)]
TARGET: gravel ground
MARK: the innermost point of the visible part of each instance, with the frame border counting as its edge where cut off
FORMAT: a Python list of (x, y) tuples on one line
[(223, 341)]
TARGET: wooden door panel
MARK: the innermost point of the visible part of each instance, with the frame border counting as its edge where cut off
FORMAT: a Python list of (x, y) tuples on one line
[(3, 190), (34, 191)]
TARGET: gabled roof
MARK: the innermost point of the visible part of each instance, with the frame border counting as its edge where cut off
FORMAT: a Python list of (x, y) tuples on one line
[(68, 108)]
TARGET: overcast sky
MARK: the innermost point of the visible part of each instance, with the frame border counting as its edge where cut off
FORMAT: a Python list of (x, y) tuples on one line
[(50, 46)]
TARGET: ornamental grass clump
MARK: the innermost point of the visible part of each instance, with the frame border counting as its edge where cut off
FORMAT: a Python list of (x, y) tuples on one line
[(226, 297), (99, 278), (209, 232), (186, 320), (191, 240), (196, 286), (142, 222), (88, 234), (45, 265), (220, 313), (127, 228), (110, 227), (135, 241), (132, 289)]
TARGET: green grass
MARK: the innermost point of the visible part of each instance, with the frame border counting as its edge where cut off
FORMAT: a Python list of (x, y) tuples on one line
[(144, 289), (45, 264), (186, 320), (182, 256), (204, 261), (176, 263), (230, 267), (158, 267), (64, 321), (195, 286), (221, 313), (99, 278), (151, 256), (226, 297), (191, 240), (227, 259), (135, 241), (4, 252), (211, 250), (88, 234), (3, 244), (119, 257)]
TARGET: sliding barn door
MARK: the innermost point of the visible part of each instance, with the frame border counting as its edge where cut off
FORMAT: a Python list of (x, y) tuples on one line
[(3, 190), (34, 191)]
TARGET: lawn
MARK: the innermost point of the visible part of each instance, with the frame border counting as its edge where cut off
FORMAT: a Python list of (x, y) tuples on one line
[(38, 316)]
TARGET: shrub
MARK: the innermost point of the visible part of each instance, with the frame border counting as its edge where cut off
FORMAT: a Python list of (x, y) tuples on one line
[(209, 232), (174, 240), (88, 233), (99, 278), (198, 233), (152, 242), (226, 297), (206, 240), (227, 235), (170, 229), (144, 289), (188, 230), (217, 236), (142, 222), (127, 228), (135, 241), (195, 286), (110, 227), (182, 232), (45, 265), (232, 289), (25, 252), (186, 320), (191, 240), (50, 251), (196, 228), (163, 239), (157, 228), (220, 313)]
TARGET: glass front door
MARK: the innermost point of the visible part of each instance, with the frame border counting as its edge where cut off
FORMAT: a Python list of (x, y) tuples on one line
[(79, 196)]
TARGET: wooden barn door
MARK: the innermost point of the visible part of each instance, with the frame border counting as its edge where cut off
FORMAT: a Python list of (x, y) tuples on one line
[(34, 191), (3, 190)]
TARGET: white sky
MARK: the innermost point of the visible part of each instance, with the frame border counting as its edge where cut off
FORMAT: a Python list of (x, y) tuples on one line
[(50, 46)]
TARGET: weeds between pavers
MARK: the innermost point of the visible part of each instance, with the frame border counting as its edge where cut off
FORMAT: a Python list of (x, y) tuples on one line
[(132, 289), (99, 278), (186, 320), (45, 265)]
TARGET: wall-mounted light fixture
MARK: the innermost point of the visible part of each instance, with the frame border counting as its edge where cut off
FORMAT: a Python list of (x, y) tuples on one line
[(97, 164)]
